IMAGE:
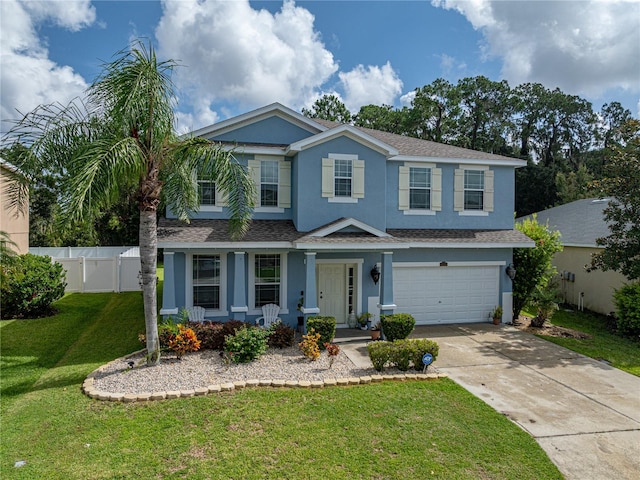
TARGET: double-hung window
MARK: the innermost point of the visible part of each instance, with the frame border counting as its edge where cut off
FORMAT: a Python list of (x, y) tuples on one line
[(269, 183), (206, 191), (343, 176), (419, 188), (206, 281), (267, 279), (272, 179), (474, 190)]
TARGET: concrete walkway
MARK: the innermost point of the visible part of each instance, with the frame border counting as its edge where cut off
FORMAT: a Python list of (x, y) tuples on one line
[(583, 413)]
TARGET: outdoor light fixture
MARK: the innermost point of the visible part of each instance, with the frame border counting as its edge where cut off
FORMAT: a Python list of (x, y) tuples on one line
[(375, 274), (511, 271)]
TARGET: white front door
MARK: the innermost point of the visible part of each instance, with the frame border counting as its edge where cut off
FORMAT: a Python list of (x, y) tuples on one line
[(332, 291)]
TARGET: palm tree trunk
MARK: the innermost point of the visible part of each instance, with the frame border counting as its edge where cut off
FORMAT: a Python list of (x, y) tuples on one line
[(148, 260)]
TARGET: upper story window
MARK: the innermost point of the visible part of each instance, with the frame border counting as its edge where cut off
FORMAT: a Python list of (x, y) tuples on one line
[(342, 178), (268, 183), (473, 190), (272, 178), (419, 189), (206, 191)]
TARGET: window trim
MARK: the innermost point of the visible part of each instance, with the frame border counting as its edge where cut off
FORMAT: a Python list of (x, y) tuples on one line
[(329, 177), (404, 189), (488, 191), (251, 282), (222, 311), (284, 183)]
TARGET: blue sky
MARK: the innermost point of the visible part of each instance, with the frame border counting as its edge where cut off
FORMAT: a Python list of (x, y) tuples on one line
[(240, 55)]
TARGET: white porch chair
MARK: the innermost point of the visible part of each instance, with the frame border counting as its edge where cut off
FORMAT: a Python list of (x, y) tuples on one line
[(269, 315), (196, 314)]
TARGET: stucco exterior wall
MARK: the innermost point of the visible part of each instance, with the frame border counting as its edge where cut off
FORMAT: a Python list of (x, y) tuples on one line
[(597, 286), (16, 226)]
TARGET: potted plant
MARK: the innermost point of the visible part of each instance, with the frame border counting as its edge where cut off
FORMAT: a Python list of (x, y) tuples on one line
[(496, 315), (376, 330), (363, 320)]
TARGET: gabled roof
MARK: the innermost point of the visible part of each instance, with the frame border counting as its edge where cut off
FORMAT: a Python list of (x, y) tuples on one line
[(343, 234), (348, 131), (275, 109), (580, 223)]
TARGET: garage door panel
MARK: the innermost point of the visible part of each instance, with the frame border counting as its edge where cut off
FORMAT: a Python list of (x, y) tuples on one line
[(446, 294)]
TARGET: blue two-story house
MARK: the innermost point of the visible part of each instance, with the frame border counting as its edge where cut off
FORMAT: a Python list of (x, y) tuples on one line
[(347, 219)]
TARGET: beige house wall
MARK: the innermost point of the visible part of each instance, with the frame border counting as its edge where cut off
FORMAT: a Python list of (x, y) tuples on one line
[(16, 226), (597, 286)]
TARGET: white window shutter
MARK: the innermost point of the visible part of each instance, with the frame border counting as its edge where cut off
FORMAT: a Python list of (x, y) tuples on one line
[(458, 190), (488, 191), (254, 173), (284, 184), (358, 179), (327, 177), (436, 189), (403, 188)]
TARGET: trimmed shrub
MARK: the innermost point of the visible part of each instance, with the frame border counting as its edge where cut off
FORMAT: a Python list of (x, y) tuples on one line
[(397, 326), (325, 326), (246, 344), (209, 334), (420, 346), (218, 337), (31, 283), (401, 354), (379, 354), (281, 335), (628, 310)]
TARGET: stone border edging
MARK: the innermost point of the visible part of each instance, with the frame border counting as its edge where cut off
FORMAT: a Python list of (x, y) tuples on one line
[(89, 390)]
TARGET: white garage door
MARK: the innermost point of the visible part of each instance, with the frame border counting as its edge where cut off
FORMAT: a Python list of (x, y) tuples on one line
[(446, 294)]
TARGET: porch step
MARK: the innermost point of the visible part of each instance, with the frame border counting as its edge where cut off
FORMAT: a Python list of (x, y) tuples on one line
[(352, 339)]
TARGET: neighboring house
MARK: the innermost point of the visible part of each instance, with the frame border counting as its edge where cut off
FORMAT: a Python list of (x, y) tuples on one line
[(580, 223), (335, 204), (14, 224)]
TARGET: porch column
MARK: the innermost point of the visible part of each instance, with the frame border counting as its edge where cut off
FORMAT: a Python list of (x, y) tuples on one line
[(169, 306), (386, 305), (310, 306), (239, 307)]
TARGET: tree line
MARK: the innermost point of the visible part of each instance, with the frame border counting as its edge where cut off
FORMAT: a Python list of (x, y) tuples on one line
[(566, 143)]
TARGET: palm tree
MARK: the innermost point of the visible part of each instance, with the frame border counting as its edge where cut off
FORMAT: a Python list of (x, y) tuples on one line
[(122, 138)]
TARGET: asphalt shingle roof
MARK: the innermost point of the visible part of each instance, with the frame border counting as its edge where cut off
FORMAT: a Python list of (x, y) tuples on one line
[(422, 148), (273, 231), (580, 223)]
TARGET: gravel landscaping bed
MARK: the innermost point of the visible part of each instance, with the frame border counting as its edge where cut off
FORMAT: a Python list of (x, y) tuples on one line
[(200, 369)]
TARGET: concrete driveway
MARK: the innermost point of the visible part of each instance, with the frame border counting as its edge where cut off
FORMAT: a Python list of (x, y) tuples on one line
[(583, 413)]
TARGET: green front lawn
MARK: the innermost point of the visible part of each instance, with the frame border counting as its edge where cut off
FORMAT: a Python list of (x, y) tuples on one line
[(391, 430), (622, 353)]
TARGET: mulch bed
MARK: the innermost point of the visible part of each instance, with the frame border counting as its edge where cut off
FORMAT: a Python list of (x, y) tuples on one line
[(524, 324)]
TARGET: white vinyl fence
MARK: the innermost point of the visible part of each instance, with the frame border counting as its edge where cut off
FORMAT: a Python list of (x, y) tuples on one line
[(97, 269)]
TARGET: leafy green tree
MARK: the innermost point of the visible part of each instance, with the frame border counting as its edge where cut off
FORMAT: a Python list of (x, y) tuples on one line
[(433, 111), (329, 107), (574, 185), (533, 265), (123, 138), (384, 118), (622, 184)]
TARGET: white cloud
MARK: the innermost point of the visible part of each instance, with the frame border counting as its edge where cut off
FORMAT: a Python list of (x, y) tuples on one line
[(370, 85), (583, 47), (28, 77), (71, 14), (235, 54)]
